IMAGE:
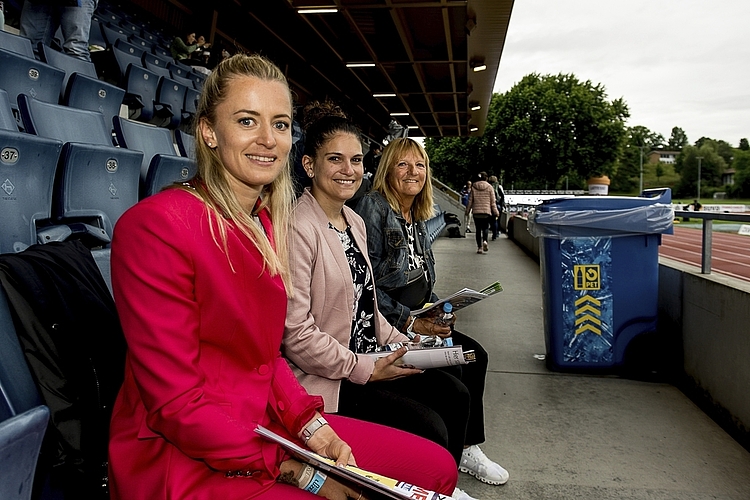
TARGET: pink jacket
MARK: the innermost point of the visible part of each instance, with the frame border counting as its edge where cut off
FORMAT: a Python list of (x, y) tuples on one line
[(319, 315), (203, 365), (482, 199)]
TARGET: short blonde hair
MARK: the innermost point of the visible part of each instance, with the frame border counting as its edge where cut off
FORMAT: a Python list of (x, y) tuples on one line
[(422, 208)]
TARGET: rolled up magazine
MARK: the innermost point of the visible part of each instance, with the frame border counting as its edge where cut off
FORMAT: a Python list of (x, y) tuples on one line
[(385, 486), (421, 357), (460, 299)]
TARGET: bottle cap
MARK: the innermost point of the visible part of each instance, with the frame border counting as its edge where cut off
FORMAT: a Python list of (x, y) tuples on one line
[(447, 307)]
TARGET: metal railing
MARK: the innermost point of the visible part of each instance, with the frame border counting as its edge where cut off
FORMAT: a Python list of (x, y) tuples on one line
[(708, 218)]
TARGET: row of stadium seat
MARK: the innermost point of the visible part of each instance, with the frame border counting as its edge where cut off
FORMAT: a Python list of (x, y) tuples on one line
[(64, 178), (166, 94)]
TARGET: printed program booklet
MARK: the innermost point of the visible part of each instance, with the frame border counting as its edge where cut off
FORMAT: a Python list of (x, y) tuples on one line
[(430, 357), (384, 486), (460, 299)]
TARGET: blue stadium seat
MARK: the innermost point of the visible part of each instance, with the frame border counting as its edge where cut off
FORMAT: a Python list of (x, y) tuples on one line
[(187, 82), (185, 143), (162, 51), (113, 33), (190, 106), (14, 43), (161, 165), (20, 442), (93, 94), (7, 120), (156, 60), (18, 392), (130, 48), (96, 182), (180, 69), (141, 43), (170, 98), (197, 78), (25, 75), (27, 170), (81, 87), (166, 170), (153, 63), (139, 83), (96, 37), (63, 123)]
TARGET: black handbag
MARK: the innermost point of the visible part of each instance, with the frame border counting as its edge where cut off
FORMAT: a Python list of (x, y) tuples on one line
[(416, 291)]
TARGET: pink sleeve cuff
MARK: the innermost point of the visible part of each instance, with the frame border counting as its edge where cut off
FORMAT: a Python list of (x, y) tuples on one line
[(362, 370)]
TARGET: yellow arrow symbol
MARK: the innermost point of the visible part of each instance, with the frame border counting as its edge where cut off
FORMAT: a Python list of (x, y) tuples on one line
[(588, 317), (588, 308), (588, 298), (590, 328)]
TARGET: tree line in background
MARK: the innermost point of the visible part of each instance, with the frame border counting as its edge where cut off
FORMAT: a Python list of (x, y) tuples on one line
[(555, 132)]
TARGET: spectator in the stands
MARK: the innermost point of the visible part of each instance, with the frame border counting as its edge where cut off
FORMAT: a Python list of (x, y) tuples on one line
[(41, 18), (394, 213), (199, 380), (333, 319), (182, 49)]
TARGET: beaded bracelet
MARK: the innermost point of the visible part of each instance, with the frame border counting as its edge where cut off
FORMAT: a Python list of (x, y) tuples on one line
[(317, 482), (305, 476)]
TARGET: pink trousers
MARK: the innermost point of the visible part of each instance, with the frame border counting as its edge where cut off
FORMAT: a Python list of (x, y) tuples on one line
[(388, 452)]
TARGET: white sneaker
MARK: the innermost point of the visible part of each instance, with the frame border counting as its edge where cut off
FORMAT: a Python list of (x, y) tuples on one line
[(459, 494), (476, 463)]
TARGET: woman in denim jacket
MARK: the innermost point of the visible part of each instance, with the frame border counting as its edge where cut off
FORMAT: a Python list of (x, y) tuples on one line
[(395, 212)]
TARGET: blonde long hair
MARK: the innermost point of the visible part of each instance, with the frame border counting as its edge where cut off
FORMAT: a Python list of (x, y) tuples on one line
[(422, 208), (211, 184)]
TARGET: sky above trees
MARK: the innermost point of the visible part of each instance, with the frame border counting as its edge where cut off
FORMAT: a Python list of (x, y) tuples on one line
[(675, 62)]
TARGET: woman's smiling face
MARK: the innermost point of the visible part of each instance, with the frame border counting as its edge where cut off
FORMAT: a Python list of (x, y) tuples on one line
[(337, 169), (251, 134), (408, 175)]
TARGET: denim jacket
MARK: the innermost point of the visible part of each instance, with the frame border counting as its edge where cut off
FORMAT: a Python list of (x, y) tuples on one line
[(389, 254)]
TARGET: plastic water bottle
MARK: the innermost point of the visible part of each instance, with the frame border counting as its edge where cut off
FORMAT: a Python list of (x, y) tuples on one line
[(447, 316), (445, 319)]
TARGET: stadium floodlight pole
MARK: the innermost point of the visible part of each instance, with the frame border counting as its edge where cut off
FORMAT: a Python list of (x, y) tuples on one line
[(640, 190), (699, 177)]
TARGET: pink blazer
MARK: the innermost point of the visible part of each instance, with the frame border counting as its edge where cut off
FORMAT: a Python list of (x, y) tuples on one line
[(319, 316), (203, 365)]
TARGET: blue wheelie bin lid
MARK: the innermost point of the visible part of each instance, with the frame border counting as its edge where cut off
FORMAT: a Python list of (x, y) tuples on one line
[(604, 215)]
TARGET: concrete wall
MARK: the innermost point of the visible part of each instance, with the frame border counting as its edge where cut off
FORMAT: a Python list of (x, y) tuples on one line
[(704, 325)]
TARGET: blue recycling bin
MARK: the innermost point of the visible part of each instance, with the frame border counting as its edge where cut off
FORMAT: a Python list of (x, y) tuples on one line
[(600, 278)]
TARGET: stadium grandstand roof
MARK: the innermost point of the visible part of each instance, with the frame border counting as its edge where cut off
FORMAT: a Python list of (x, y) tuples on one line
[(414, 58)]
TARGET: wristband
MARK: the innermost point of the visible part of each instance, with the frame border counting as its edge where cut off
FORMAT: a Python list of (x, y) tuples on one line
[(317, 482), (305, 477), (316, 424)]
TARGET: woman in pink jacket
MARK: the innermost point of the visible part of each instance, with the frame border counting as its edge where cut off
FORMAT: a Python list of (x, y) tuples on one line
[(200, 275), (333, 319), (482, 205)]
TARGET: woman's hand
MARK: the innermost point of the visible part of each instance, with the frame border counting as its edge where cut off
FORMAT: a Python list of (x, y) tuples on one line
[(327, 443), (428, 326), (332, 489), (387, 369)]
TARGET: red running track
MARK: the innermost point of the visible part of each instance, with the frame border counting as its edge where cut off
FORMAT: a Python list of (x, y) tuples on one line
[(730, 253)]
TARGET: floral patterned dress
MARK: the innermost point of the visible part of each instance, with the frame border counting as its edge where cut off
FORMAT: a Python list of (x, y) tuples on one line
[(362, 339)]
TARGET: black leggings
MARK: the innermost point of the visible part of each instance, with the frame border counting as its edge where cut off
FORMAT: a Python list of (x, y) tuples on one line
[(443, 405), (481, 226)]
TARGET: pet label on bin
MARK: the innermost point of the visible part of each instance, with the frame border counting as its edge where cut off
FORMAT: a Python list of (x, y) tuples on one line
[(587, 300)]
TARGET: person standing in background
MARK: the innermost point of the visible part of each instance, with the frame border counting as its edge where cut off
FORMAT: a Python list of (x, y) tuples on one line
[(495, 224), (465, 201), (41, 18), (2, 17), (482, 204)]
